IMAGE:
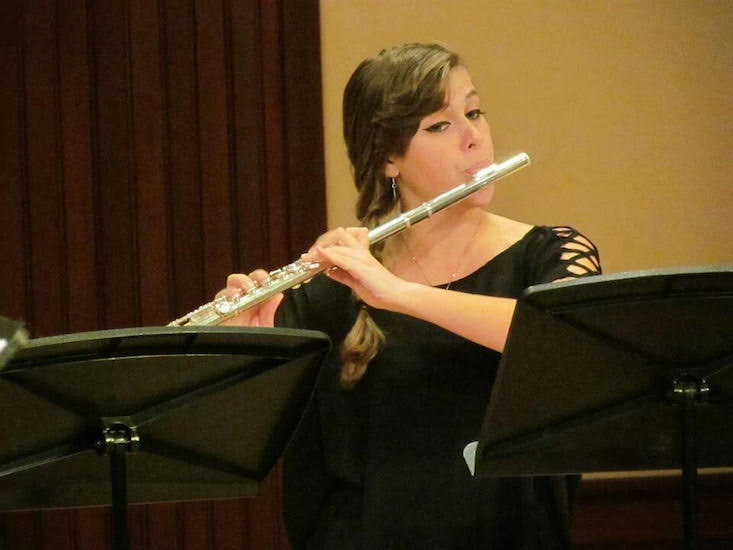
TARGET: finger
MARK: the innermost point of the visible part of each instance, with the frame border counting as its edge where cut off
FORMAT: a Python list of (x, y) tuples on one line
[(239, 280), (229, 292), (323, 240), (339, 275), (361, 234), (342, 256), (340, 235), (267, 313), (259, 276)]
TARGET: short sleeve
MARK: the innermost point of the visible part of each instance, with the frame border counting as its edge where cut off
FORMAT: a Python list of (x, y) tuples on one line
[(563, 253)]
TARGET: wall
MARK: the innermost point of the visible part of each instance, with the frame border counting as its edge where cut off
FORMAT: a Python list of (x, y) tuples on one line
[(626, 111), (624, 107), (148, 149)]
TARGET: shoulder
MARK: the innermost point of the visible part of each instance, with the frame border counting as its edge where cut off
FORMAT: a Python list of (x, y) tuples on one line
[(505, 232), (562, 252), (510, 230)]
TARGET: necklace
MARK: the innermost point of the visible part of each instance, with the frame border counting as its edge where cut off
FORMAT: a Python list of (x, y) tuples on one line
[(460, 260)]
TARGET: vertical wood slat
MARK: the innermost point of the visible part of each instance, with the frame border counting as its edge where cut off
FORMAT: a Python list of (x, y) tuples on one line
[(196, 525), (264, 516), (57, 530), (138, 527), (214, 141), (149, 152), (92, 529), (13, 223), (184, 175), (250, 184), (302, 72), (164, 532), (22, 530), (46, 231), (116, 205), (272, 91), (77, 173), (228, 524), (183, 163)]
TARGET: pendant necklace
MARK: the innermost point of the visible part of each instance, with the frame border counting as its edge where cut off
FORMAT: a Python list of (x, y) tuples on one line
[(460, 260)]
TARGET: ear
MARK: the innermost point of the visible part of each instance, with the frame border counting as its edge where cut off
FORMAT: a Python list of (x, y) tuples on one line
[(391, 170)]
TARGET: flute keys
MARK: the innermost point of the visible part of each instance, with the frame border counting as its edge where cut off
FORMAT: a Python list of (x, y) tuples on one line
[(223, 307)]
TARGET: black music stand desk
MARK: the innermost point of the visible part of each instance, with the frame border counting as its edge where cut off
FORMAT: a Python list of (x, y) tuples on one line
[(622, 372), (183, 413)]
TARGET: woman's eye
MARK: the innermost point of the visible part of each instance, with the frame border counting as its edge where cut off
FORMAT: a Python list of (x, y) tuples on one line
[(474, 114), (437, 127)]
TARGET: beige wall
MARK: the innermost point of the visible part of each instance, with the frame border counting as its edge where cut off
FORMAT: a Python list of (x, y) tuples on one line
[(624, 107)]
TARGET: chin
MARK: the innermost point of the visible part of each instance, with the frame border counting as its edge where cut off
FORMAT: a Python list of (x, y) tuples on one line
[(481, 198)]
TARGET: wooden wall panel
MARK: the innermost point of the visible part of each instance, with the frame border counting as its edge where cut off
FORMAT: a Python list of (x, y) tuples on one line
[(183, 162), (213, 114), (147, 150), (93, 528), (48, 276), (151, 161), (14, 237), (304, 139), (115, 207), (76, 151), (272, 90), (246, 97)]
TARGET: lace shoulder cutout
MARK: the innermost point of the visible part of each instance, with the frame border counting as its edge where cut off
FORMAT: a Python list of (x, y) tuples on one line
[(579, 255)]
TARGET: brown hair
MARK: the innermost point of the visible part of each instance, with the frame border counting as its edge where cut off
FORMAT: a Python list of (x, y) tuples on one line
[(384, 101)]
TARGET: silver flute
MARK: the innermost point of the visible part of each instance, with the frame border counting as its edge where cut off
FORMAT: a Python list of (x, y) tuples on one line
[(292, 275)]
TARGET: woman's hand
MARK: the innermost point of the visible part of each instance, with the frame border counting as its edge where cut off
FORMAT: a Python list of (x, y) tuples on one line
[(345, 253), (261, 315)]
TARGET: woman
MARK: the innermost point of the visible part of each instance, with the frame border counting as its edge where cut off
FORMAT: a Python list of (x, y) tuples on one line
[(418, 326)]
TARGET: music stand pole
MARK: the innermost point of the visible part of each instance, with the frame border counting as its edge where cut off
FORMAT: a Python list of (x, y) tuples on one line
[(687, 393), (117, 440)]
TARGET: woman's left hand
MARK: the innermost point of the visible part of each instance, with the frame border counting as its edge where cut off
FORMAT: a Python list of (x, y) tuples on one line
[(346, 250)]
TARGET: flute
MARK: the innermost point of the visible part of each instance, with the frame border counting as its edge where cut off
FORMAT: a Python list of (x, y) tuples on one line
[(292, 275)]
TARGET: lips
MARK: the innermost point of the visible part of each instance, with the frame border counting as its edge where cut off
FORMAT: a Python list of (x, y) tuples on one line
[(471, 171)]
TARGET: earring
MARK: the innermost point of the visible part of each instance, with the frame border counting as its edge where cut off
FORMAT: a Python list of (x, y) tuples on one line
[(394, 189)]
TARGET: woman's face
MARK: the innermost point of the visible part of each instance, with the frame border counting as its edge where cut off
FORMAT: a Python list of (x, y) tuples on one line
[(449, 147)]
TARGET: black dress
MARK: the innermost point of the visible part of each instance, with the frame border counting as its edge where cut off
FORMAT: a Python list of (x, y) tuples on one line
[(381, 466)]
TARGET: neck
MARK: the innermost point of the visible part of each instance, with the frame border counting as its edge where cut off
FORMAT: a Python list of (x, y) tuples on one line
[(438, 249), (446, 228)]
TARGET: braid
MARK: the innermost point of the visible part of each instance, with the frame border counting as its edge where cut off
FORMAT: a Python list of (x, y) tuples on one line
[(384, 101), (365, 338)]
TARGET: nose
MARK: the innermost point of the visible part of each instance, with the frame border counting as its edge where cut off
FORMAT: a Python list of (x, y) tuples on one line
[(471, 135)]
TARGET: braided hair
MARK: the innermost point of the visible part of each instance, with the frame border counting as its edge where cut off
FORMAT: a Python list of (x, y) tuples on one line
[(384, 101)]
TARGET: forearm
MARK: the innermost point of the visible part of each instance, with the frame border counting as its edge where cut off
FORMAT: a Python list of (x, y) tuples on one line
[(481, 319)]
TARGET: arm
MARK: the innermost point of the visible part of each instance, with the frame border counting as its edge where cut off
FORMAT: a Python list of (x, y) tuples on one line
[(481, 319), (484, 320)]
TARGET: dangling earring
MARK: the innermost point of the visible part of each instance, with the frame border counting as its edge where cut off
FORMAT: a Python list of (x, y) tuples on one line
[(394, 189)]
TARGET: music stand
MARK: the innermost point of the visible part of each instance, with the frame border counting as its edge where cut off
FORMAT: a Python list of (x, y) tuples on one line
[(619, 372), (183, 414), (12, 336)]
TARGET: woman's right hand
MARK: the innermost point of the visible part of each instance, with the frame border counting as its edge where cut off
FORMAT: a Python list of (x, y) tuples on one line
[(261, 315)]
